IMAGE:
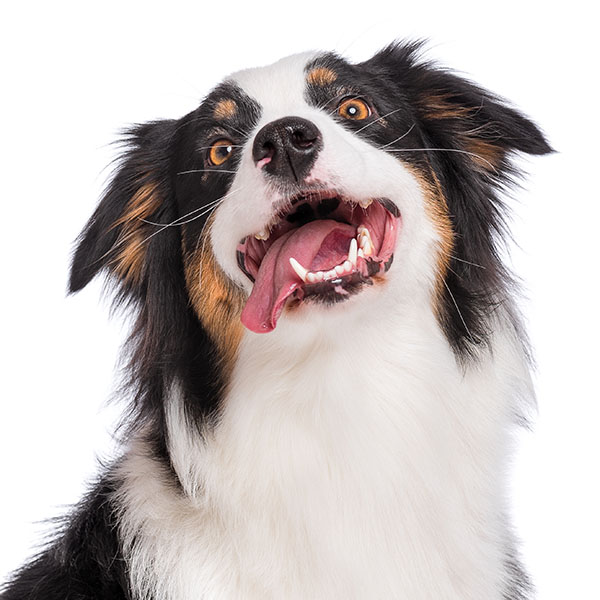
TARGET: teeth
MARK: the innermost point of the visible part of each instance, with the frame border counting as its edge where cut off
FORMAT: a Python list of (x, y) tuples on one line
[(300, 270), (262, 235), (364, 240), (352, 253), (365, 203)]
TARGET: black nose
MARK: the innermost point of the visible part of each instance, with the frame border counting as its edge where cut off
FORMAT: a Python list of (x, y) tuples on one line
[(291, 146)]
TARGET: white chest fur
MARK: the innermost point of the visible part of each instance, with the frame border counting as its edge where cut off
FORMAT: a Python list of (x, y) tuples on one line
[(341, 467)]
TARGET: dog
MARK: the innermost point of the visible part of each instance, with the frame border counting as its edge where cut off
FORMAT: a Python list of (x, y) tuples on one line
[(326, 363)]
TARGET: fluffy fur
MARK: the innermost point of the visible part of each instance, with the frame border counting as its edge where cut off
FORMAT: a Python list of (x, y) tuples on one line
[(359, 449)]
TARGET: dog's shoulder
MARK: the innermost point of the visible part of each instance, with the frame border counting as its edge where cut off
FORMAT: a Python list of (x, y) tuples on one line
[(82, 561)]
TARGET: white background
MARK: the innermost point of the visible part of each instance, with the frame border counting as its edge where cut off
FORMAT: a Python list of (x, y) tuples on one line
[(72, 76)]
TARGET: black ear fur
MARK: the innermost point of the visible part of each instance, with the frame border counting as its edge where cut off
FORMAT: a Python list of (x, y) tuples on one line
[(455, 111), (117, 236), (469, 136), (128, 238)]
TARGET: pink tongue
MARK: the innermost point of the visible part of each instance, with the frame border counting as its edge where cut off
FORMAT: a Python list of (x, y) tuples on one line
[(324, 243)]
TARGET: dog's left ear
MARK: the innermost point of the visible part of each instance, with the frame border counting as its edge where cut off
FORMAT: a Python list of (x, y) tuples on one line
[(119, 236), (456, 113)]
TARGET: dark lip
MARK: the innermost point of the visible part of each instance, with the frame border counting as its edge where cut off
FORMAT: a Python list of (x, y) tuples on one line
[(325, 194), (242, 263), (285, 206), (389, 205)]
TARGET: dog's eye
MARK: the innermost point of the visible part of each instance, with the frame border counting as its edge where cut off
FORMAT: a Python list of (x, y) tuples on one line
[(220, 151), (354, 109)]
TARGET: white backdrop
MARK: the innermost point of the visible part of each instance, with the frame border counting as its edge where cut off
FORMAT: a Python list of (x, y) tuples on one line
[(73, 76)]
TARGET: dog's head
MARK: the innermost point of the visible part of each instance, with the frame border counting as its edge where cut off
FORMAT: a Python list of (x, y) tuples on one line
[(311, 191)]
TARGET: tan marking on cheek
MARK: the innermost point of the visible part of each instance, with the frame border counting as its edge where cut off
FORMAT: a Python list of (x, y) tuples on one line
[(217, 302), (131, 243), (321, 76), (225, 109), (436, 209)]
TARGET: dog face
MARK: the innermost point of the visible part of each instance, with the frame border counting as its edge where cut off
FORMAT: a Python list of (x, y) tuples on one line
[(312, 193), (314, 210)]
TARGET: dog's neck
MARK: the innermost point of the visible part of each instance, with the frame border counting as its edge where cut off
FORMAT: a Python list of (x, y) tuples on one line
[(339, 458)]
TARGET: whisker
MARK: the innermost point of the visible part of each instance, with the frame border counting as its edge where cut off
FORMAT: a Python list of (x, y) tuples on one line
[(242, 133), (203, 237), (398, 138), (179, 221), (379, 119), (459, 313), (467, 262), (329, 100), (209, 147), (176, 222), (477, 129), (342, 95), (205, 208), (445, 150), (205, 171)]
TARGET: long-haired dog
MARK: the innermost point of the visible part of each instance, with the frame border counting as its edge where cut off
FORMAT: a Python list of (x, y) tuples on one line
[(326, 361)]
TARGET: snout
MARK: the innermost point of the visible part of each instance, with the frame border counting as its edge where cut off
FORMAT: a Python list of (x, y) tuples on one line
[(287, 148)]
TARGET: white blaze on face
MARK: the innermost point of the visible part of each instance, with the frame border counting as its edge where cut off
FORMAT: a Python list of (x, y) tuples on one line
[(346, 163)]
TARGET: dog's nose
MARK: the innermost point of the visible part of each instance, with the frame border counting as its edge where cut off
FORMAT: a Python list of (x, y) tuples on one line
[(287, 148)]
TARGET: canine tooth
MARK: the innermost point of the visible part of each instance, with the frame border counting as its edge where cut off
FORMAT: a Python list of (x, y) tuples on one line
[(365, 241), (300, 270), (363, 231), (262, 235), (352, 253), (365, 203)]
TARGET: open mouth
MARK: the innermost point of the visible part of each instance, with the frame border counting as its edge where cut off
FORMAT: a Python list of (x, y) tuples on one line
[(321, 247)]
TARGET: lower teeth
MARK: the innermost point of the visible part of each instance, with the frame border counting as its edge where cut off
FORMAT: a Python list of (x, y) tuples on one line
[(345, 268)]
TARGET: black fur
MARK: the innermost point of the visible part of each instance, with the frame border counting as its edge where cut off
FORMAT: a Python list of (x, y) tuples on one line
[(399, 83), (85, 561), (168, 342)]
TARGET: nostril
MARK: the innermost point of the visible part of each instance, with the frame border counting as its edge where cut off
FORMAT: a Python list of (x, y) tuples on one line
[(266, 150), (287, 147), (264, 155), (301, 140)]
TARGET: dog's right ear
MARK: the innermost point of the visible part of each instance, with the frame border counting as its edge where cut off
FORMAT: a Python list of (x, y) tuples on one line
[(119, 236)]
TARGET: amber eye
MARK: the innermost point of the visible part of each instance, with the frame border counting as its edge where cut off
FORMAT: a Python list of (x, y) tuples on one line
[(354, 109), (220, 151)]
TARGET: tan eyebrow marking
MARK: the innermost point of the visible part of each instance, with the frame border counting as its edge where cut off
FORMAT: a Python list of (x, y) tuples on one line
[(321, 76), (225, 109)]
